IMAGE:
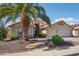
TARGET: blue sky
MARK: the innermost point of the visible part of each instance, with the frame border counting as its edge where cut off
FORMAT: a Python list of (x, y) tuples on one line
[(61, 11)]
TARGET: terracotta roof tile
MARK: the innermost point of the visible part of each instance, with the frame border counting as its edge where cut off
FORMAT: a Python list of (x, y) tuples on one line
[(76, 27)]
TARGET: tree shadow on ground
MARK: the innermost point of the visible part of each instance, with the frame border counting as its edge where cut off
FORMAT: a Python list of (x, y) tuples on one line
[(66, 45)]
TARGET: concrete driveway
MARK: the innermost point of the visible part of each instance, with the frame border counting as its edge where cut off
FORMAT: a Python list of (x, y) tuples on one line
[(74, 39)]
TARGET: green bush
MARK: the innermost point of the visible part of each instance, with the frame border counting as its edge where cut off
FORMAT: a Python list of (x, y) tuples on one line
[(3, 33), (42, 35), (13, 38), (1, 38), (57, 40)]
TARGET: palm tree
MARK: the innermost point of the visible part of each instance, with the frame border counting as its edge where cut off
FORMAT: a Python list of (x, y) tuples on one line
[(26, 11)]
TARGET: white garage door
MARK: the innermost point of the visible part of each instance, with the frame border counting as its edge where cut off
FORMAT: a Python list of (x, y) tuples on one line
[(64, 32)]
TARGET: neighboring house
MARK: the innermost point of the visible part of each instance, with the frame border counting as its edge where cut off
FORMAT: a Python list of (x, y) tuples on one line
[(76, 30), (60, 28), (14, 29)]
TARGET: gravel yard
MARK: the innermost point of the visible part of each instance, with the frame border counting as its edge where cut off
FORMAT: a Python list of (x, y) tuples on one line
[(14, 48)]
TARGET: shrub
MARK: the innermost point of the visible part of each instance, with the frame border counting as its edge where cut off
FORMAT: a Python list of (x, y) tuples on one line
[(3, 33), (57, 40), (13, 38), (42, 35), (1, 38)]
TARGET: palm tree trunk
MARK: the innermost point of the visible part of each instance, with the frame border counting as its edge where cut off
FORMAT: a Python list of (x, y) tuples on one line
[(25, 22)]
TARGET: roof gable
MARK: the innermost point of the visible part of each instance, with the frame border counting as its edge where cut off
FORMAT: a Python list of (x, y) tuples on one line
[(62, 23)]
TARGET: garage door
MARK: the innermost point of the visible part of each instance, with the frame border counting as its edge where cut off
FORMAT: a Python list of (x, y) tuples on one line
[(65, 32)]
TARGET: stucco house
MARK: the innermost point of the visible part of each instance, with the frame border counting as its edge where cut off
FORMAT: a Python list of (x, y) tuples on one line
[(76, 30), (14, 29), (60, 28)]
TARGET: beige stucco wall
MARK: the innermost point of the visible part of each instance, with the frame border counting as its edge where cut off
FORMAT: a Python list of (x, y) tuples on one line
[(9, 34), (12, 30), (62, 30)]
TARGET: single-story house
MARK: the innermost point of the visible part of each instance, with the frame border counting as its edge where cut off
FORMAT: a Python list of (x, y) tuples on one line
[(76, 30), (14, 29), (60, 28)]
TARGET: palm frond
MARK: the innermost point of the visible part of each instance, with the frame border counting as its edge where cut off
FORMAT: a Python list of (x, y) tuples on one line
[(45, 18), (39, 9)]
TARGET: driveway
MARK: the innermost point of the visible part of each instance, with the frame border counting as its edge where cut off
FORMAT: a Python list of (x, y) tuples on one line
[(74, 39)]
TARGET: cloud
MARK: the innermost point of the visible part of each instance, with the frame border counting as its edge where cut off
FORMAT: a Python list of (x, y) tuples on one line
[(69, 20)]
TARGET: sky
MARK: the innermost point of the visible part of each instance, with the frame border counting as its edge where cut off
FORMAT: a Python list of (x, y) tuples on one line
[(68, 12), (62, 11)]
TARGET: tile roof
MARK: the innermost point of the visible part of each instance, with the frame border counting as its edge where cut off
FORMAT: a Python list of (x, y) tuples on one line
[(76, 27), (41, 23)]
